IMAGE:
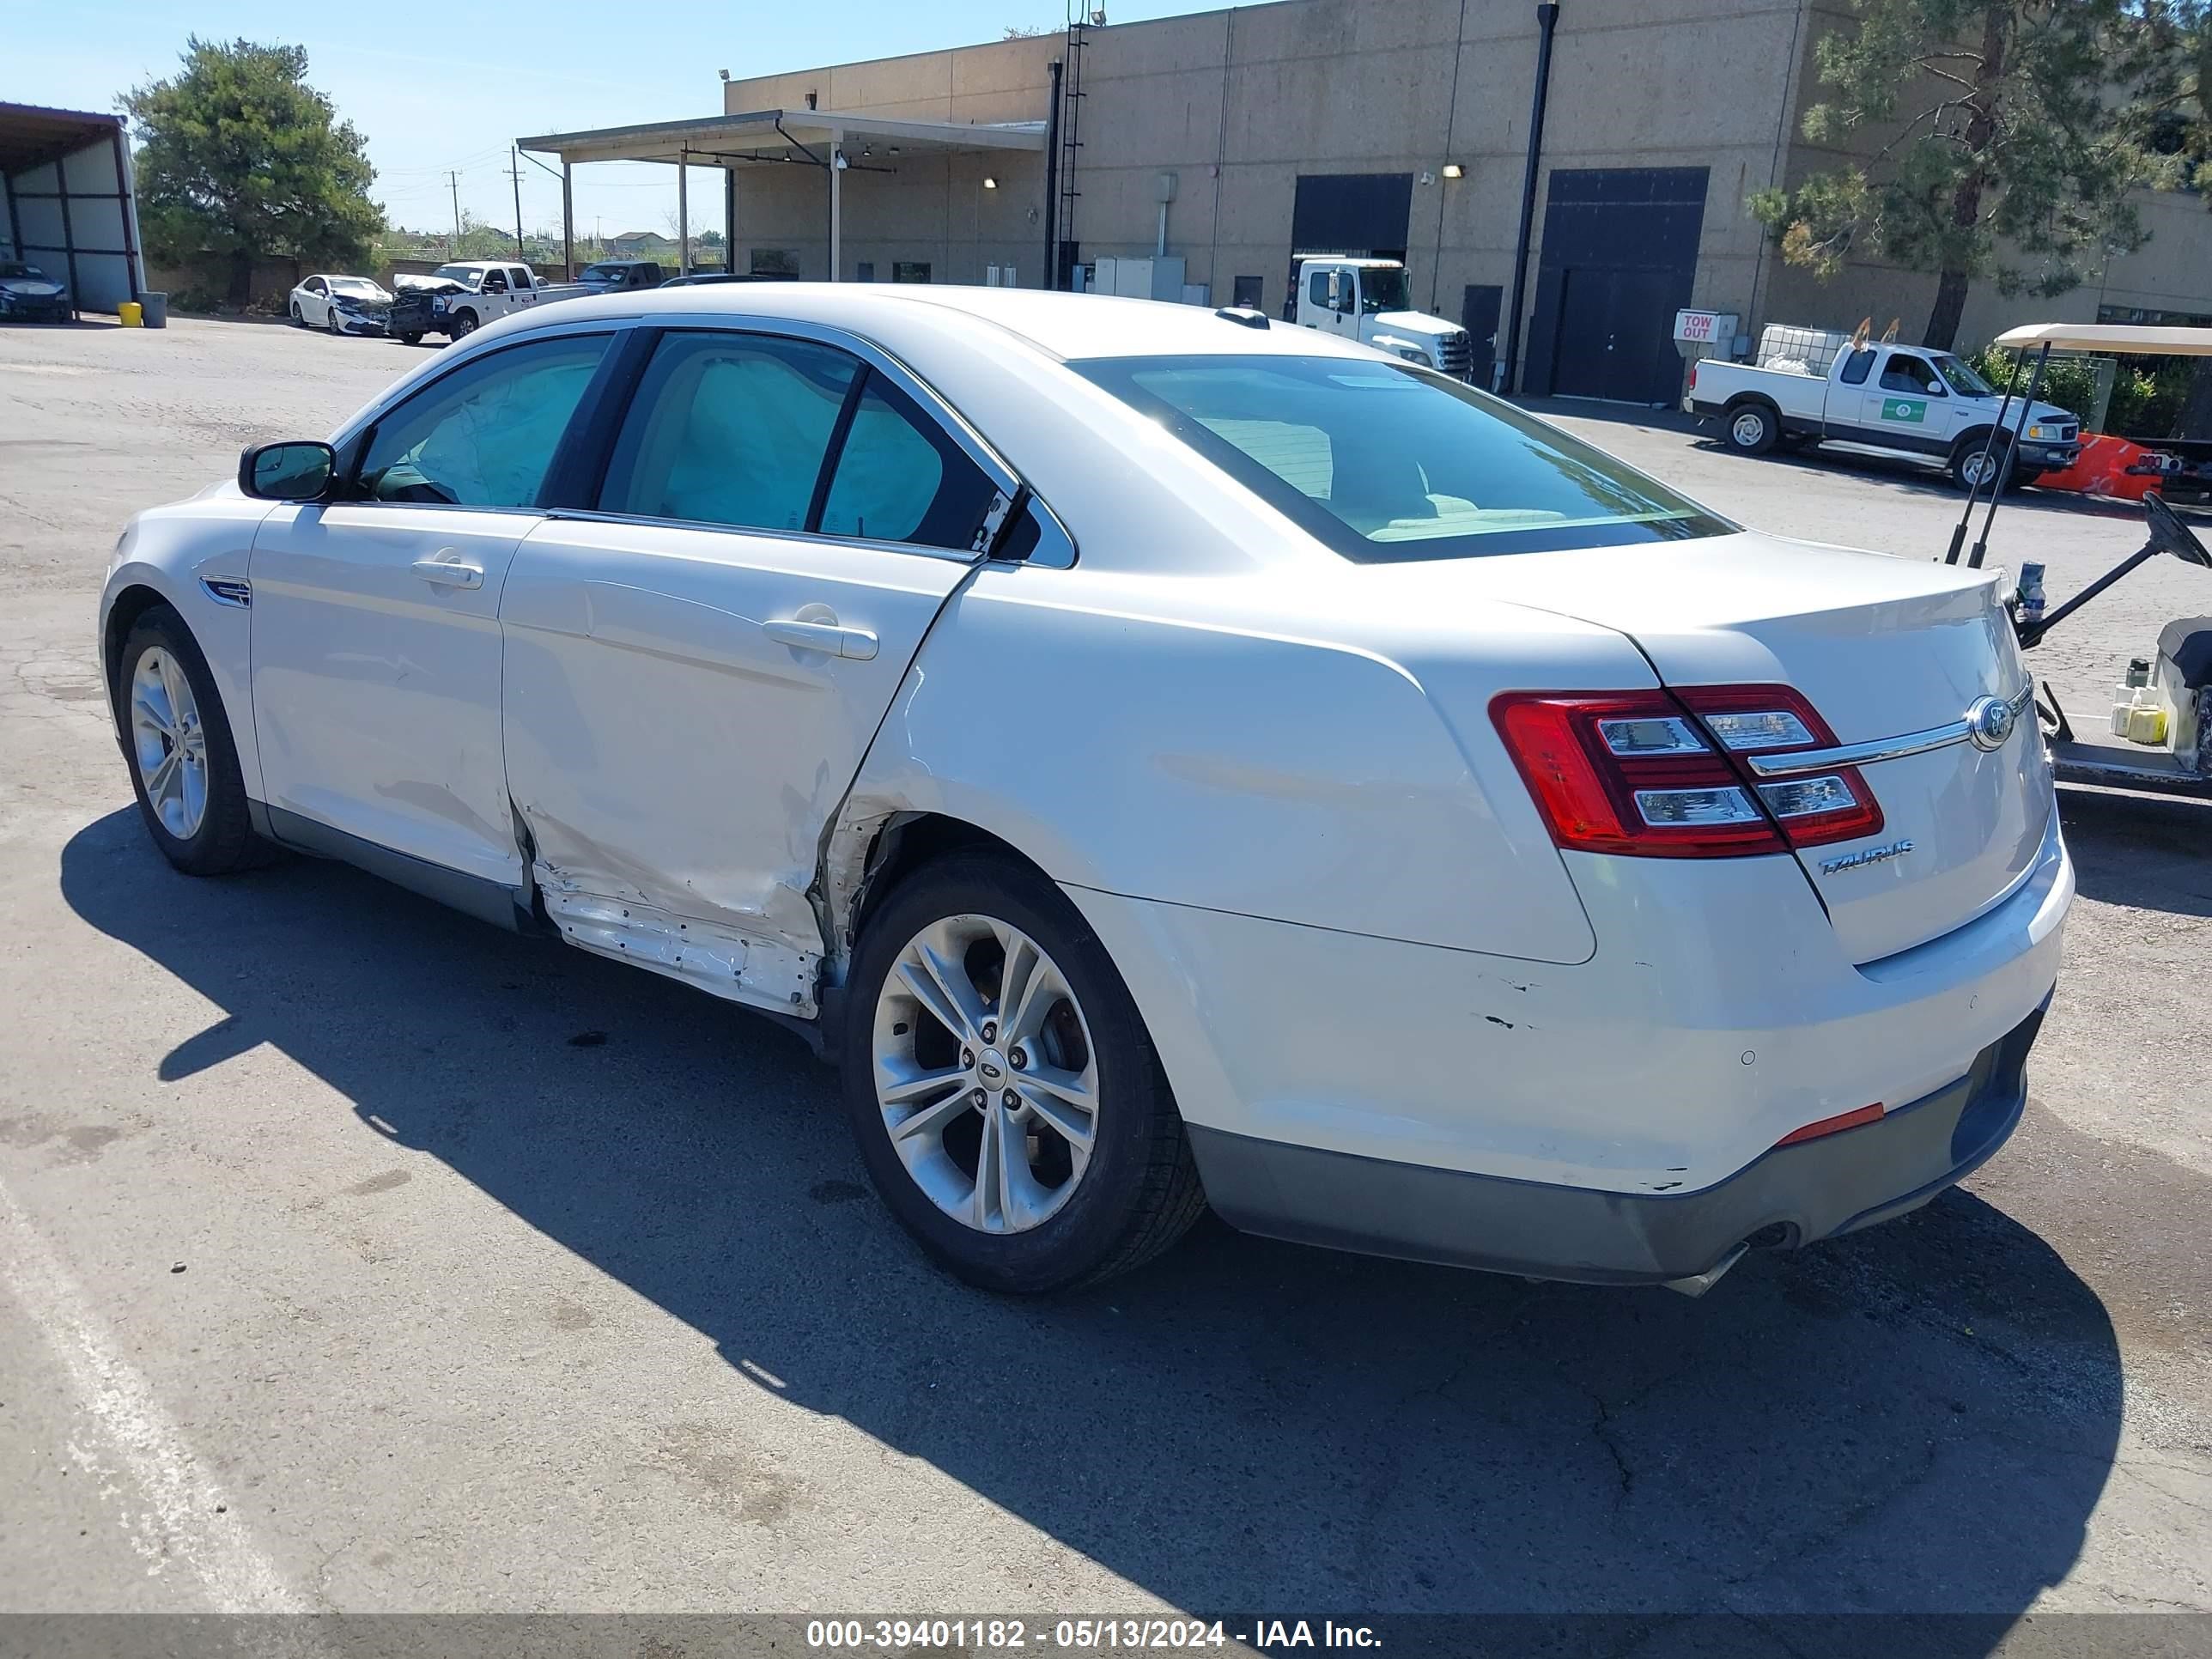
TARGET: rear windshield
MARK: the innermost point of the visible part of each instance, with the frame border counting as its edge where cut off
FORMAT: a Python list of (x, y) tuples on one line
[(1387, 464)]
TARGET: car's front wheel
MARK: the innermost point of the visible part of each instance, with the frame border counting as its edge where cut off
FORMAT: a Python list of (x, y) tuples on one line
[(184, 766), (299, 317), (463, 324), (1006, 1096)]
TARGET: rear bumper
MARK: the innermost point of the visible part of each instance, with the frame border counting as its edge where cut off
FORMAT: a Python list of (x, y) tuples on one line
[(1814, 1190)]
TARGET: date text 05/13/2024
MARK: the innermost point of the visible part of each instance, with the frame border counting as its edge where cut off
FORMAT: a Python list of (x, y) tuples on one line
[(1109, 1635)]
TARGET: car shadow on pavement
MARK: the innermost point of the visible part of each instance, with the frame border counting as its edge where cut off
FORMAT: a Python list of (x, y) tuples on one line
[(2145, 851), (1917, 1419)]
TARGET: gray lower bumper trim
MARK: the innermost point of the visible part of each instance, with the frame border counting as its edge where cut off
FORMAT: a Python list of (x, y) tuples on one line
[(1813, 1190)]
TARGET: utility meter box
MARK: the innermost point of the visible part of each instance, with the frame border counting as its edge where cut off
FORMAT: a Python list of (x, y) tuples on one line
[(1153, 277)]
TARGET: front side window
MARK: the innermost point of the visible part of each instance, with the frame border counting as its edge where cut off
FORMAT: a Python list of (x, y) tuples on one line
[(484, 435), (495, 282), (729, 430), (1905, 373), (1385, 463)]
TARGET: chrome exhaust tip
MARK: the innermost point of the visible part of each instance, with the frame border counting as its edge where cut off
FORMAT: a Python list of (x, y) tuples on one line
[(1698, 1284)]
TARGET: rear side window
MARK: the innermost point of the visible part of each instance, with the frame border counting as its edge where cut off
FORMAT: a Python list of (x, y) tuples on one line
[(763, 432), (900, 478), (1856, 368), (729, 430), (484, 435), (1385, 463)]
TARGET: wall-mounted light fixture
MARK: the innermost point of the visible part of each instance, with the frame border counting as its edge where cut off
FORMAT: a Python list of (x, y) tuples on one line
[(990, 183), (1454, 170)]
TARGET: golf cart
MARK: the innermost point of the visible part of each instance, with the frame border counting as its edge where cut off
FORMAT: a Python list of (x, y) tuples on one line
[(2158, 734)]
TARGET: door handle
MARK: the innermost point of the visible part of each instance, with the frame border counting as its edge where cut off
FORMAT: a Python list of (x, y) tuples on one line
[(855, 643), (449, 572)]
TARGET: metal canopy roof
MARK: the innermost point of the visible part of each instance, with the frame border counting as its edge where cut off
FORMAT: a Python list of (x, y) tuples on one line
[(2128, 339), (780, 134), (31, 136)]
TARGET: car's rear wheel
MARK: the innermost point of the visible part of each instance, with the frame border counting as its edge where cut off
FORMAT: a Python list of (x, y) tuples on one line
[(184, 766), (1751, 429), (1006, 1099)]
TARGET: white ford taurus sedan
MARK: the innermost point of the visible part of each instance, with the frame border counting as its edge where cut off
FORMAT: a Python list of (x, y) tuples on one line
[(1166, 759)]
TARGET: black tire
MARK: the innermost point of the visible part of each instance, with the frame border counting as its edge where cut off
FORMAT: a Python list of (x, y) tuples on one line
[(463, 324), (411, 339), (224, 841), (299, 317), (1140, 1192), (331, 320), (1750, 427), (1966, 463)]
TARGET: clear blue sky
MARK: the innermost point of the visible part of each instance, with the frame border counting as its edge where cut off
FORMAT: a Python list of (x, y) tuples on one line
[(438, 86)]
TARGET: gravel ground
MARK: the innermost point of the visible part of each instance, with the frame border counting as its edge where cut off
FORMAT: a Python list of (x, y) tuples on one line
[(341, 1269)]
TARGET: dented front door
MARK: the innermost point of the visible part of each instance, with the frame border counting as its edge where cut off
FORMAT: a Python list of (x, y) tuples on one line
[(684, 707)]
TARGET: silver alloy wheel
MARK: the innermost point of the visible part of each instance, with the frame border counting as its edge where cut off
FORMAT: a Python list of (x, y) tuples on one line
[(985, 1074), (1977, 468), (1750, 426), (170, 743)]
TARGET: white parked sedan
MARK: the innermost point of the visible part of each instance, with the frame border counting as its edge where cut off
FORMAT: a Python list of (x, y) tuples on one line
[(343, 305), (1165, 759)]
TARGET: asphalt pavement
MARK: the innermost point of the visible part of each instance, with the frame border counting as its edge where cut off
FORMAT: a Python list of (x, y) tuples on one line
[(355, 1256)]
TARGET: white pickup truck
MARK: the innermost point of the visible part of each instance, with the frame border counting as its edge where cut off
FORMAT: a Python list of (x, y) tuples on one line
[(458, 299), (1366, 300), (1812, 386)]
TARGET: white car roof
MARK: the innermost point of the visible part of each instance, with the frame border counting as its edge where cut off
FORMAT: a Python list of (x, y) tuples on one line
[(1063, 325)]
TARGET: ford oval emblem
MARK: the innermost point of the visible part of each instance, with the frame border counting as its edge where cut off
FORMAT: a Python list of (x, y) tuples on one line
[(1989, 721)]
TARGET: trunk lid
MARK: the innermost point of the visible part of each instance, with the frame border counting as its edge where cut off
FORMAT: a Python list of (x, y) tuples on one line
[(1882, 647)]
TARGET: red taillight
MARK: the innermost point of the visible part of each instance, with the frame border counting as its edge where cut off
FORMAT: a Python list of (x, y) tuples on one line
[(1657, 773), (1833, 1125)]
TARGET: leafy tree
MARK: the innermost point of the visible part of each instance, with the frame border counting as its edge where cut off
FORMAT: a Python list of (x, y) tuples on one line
[(241, 158), (1991, 138)]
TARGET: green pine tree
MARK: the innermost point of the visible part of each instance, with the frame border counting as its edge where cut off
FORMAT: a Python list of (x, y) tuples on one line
[(239, 157), (1995, 139)]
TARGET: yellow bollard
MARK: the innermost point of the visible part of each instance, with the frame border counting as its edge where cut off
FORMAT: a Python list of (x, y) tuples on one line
[(133, 313)]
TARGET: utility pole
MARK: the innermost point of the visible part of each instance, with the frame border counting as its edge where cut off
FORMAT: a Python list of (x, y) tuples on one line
[(453, 182), (514, 172)]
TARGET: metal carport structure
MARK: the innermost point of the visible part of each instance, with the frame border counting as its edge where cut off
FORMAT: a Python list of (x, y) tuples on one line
[(69, 206), (769, 138)]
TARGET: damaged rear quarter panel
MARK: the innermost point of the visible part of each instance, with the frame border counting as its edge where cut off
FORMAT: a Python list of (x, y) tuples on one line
[(1125, 737)]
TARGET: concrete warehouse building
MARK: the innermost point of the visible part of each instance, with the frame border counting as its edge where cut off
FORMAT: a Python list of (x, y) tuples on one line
[(1232, 139)]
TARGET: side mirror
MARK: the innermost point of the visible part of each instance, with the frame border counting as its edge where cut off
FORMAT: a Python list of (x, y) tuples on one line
[(2169, 535), (295, 470)]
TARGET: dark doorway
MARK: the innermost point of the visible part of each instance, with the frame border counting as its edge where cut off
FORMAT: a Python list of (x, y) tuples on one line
[(1619, 257), (1479, 309), (1364, 215), (1248, 292)]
